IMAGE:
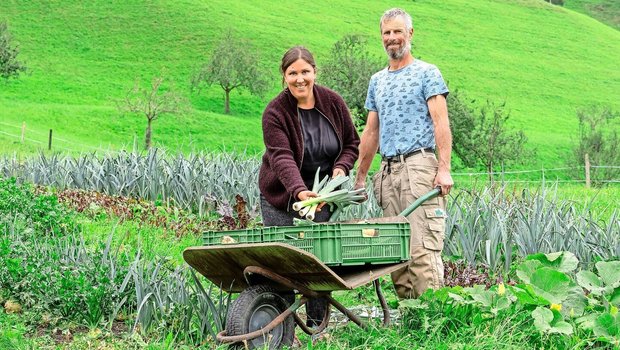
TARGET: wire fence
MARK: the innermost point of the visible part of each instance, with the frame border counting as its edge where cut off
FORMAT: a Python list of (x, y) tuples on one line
[(70, 146), (556, 174)]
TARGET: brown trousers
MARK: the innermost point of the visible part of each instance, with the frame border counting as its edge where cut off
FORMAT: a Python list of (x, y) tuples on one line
[(397, 185)]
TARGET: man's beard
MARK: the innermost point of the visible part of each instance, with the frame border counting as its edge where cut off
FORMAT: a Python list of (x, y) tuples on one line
[(400, 53)]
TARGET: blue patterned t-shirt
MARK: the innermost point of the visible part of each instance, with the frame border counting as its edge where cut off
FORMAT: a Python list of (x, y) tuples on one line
[(399, 98)]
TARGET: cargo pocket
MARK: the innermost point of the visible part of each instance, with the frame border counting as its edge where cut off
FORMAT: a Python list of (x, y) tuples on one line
[(433, 237), (421, 173), (377, 187)]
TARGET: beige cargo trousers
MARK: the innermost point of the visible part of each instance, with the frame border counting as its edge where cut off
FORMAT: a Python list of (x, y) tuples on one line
[(397, 184)]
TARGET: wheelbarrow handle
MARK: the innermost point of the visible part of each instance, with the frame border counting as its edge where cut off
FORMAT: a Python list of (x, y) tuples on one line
[(432, 194)]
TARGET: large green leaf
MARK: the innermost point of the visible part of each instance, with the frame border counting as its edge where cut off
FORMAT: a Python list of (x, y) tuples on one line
[(608, 326), (501, 303), (590, 281), (575, 304), (609, 272), (551, 284), (548, 321), (481, 295), (526, 295), (542, 318), (562, 261), (587, 321), (527, 268), (615, 297)]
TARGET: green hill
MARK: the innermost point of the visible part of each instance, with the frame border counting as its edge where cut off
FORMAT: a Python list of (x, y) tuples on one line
[(545, 61)]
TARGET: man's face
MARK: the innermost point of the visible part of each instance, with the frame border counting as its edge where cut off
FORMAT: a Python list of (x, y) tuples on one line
[(396, 38)]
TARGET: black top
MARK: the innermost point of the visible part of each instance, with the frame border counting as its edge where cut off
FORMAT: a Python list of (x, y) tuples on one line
[(321, 145)]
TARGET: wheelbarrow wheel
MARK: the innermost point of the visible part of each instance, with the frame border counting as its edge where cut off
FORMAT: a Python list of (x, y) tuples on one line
[(255, 308)]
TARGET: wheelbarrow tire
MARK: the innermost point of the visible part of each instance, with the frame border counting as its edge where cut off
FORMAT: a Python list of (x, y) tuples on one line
[(256, 307)]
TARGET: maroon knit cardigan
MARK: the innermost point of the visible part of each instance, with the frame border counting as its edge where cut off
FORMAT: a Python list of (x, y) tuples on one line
[(279, 177)]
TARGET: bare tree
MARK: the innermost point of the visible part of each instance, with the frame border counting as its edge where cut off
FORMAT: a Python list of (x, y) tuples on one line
[(10, 67), (151, 103), (234, 64)]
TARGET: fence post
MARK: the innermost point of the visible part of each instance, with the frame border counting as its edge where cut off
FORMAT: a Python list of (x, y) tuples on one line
[(587, 167), (503, 173), (23, 131), (49, 143)]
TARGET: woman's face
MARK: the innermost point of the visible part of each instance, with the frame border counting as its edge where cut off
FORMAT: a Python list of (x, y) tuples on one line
[(299, 78)]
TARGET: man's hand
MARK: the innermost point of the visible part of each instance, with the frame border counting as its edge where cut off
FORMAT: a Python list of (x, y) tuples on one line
[(361, 184), (444, 180)]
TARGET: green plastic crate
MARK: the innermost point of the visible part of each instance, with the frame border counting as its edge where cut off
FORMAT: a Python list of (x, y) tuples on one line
[(231, 237), (347, 244)]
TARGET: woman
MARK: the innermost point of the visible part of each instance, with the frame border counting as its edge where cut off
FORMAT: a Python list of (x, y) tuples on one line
[(305, 127)]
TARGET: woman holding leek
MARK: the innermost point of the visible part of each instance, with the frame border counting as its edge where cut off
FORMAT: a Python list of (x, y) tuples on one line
[(305, 128)]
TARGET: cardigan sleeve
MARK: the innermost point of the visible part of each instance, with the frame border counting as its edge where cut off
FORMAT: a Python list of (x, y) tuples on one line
[(279, 152)]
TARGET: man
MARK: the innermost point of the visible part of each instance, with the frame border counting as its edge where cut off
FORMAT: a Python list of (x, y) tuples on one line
[(408, 123)]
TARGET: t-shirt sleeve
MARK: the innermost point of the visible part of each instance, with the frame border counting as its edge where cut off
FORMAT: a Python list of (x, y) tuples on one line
[(370, 104), (434, 84)]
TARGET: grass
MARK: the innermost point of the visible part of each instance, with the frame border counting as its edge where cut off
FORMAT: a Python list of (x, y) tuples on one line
[(84, 56), (131, 236)]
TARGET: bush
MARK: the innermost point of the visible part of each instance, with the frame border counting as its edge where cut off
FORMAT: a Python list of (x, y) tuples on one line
[(348, 71), (598, 138), (39, 213), (481, 137)]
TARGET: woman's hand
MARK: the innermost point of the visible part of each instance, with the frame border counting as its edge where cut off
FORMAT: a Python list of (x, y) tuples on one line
[(338, 172), (303, 195)]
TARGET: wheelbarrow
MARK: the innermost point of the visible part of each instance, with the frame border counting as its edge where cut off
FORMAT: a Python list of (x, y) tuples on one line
[(276, 272)]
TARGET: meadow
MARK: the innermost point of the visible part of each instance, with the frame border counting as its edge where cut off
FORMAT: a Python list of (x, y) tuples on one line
[(84, 57)]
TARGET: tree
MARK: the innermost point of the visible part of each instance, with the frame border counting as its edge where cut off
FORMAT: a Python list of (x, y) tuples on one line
[(10, 67), (234, 64), (152, 103), (481, 137), (348, 70), (599, 139)]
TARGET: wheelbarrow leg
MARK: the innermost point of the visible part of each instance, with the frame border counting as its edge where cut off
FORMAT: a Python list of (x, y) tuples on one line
[(317, 330), (346, 311), (384, 306)]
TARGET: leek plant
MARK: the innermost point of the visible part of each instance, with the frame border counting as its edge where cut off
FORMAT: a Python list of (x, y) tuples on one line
[(492, 225)]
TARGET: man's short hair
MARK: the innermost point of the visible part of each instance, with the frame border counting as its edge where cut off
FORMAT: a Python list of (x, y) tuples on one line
[(396, 12)]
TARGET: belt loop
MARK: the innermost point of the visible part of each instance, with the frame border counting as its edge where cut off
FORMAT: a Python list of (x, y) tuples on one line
[(423, 152), (401, 157)]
